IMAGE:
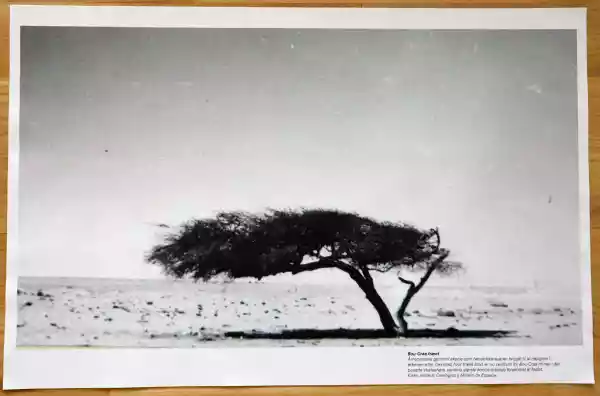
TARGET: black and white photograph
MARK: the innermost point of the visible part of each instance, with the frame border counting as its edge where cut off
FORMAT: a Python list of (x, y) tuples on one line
[(282, 187), (238, 188)]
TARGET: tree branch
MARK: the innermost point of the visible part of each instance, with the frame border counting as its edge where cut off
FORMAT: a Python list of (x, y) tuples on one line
[(432, 267), (381, 270), (439, 240), (366, 274), (312, 266), (325, 262), (411, 284)]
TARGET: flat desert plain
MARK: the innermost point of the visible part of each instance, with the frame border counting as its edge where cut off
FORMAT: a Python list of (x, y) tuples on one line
[(166, 313)]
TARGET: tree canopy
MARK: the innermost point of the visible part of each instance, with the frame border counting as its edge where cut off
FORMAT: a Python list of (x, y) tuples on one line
[(240, 244)]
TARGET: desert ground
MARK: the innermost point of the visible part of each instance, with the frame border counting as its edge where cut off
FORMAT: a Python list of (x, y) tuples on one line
[(165, 313)]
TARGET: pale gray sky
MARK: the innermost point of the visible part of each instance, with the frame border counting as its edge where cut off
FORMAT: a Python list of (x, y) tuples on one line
[(474, 132)]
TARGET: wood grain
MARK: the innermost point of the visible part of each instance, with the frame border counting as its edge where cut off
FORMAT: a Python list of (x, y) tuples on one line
[(406, 390)]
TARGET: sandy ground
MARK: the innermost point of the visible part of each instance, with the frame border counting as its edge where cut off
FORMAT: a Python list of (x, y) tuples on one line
[(126, 313)]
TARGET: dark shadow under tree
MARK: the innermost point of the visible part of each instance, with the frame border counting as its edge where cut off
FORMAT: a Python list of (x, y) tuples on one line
[(240, 245)]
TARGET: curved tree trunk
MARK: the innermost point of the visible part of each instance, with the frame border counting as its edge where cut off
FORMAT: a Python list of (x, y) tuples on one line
[(365, 282), (412, 290), (385, 316)]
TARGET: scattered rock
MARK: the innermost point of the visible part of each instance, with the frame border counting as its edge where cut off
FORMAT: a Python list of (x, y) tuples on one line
[(28, 304), (43, 295), (499, 305), (554, 327), (149, 302), (447, 313)]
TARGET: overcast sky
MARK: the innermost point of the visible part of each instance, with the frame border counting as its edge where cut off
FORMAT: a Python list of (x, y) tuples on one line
[(474, 132)]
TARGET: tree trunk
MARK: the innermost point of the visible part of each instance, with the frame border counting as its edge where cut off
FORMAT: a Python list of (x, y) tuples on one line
[(367, 286), (385, 316), (412, 290)]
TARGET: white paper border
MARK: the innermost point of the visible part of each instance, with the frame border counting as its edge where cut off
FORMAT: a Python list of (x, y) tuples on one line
[(101, 368)]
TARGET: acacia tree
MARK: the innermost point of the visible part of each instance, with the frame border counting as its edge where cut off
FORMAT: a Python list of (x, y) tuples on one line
[(239, 245)]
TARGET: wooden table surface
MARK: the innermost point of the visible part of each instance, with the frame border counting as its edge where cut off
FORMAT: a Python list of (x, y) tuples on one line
[(406, 390)]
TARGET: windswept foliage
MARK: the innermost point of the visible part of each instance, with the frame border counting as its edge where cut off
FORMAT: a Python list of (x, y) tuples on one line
[(238, 244)]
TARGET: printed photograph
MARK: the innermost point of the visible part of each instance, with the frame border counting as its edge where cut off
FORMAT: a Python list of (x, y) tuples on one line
[(225, 188)]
